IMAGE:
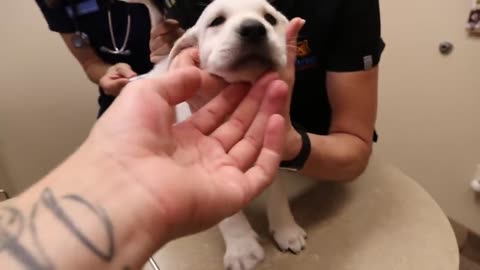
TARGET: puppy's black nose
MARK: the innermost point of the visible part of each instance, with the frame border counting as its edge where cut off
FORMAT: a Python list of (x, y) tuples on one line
[(252, 30)]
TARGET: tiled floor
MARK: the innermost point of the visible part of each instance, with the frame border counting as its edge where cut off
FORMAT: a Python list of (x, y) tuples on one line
[(470, 259)]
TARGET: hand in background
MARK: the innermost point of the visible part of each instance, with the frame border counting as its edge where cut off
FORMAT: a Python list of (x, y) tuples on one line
[(116, 78)]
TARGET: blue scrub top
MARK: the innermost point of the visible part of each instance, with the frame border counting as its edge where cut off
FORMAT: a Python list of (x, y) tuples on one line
[(93, 20)]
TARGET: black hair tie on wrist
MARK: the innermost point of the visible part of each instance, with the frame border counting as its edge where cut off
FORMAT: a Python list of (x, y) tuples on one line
[(299, 161)]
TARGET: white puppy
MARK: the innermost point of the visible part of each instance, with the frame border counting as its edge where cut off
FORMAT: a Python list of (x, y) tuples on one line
[(240, 41)]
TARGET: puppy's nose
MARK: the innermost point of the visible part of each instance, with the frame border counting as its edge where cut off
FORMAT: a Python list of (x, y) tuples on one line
[(252, 30)]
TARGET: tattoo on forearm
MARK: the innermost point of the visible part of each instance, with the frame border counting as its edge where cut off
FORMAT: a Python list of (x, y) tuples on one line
[(13, 225)]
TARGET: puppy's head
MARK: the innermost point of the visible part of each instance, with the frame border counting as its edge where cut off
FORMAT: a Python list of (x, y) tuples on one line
[(238, 40)]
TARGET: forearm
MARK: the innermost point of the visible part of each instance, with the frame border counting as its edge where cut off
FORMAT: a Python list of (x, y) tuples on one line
[(95, 69), (336, 157), (344, 153), (78, 217), (91, 63)]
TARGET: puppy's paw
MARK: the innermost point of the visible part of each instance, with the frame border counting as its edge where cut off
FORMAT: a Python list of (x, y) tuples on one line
[(289, 237), (243, 254)]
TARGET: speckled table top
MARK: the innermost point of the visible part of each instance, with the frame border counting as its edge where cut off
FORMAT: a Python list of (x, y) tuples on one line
[(384, 220)]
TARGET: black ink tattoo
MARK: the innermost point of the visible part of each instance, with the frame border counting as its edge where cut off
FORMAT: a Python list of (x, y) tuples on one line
[(13, 223), (48, 200)]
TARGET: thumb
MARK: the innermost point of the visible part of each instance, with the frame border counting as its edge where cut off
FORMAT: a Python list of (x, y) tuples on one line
[(293, 29), (179, 85), (125, 71)]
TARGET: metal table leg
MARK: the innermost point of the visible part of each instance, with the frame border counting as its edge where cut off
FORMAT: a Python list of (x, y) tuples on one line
[(5, 194), (153, 263)]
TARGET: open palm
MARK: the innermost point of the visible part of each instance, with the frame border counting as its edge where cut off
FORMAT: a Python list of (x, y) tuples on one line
[(207, 167)]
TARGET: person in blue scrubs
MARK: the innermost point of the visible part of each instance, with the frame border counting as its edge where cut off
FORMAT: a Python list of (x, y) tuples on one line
[(110, 71)]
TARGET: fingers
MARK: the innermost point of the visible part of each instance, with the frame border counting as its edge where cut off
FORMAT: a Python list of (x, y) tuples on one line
[(165, 28), (162, 38), (158, 53), (262, 173), (246, 151), (112, 85), (160, 46), (116, 85), (214, 113), (211, 85), (237, 125), (174, 87), (186, 58), (293, 30), (179, 85), (124, 70)]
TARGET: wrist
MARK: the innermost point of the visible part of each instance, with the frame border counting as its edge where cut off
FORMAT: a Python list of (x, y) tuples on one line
[(117, 189), (95, 70), (136, 229), (298, 149), (293, 145)]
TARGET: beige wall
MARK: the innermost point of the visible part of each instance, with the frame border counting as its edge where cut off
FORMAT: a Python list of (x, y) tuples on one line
[(46, 104), (5, 182), (429, 115), (429, 110)]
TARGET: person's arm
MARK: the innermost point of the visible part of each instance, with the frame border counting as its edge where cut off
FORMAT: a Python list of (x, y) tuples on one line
[(162, 37), (93, 65), (112, 78), (354, 53), (344, 153), (118, 199), (83, 215)]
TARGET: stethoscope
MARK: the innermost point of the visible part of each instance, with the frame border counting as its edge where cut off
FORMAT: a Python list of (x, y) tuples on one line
[(80, 39)]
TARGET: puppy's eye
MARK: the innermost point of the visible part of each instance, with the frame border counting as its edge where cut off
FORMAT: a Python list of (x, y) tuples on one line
[(270, 19), (217, 21)]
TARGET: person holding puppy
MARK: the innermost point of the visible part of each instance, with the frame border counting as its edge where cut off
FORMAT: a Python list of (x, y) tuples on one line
[(332, 72)]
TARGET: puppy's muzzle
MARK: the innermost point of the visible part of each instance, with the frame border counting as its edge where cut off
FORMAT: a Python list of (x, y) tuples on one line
[(252, 31)]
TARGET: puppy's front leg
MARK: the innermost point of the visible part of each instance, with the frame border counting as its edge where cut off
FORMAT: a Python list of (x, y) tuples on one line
[(287, 234), (243, 252)]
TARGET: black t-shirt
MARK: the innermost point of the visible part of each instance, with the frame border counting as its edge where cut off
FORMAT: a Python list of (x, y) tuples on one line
[(339, 36), (93, 20)]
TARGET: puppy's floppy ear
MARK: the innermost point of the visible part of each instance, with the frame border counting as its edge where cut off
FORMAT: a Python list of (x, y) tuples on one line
[(187, 40)]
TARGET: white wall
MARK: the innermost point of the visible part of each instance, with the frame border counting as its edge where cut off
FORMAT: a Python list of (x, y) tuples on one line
[(429, 115), (46, 104)]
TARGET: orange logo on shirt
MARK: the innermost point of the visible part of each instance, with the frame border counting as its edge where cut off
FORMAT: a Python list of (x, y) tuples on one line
[(303, 49)]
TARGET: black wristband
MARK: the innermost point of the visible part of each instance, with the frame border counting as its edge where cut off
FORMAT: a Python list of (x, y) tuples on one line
[(299, 161)]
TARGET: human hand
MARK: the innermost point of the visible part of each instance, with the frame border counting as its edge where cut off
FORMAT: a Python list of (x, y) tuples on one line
[(197, 172), (116, 78), (187, 58), (293, 138), (162, 38), (190, 57)]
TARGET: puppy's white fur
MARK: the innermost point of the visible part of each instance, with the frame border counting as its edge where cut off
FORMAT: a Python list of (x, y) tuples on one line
[(224, 53)]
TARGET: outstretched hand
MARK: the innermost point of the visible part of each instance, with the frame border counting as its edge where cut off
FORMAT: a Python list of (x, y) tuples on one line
[(203, 169)]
